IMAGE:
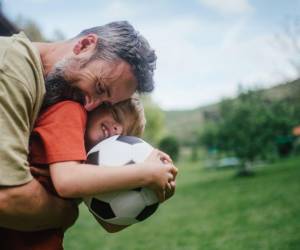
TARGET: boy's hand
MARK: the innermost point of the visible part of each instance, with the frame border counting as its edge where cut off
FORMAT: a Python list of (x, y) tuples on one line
[(163, 174), (165, 158)]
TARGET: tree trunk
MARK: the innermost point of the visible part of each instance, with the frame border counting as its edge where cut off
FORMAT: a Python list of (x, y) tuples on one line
[(245, 170)]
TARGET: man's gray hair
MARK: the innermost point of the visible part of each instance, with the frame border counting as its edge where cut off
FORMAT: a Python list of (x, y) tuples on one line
[(119, 40)]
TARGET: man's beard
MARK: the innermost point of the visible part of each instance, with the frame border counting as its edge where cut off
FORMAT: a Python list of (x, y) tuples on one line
[(58, 88)]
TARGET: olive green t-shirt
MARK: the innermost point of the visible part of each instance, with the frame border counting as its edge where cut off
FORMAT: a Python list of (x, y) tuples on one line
[(22, 89)]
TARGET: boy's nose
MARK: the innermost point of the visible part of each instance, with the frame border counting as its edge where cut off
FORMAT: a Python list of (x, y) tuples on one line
[(117, 129)]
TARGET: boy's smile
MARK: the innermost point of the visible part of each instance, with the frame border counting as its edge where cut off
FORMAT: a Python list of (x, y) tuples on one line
[(101, 125)]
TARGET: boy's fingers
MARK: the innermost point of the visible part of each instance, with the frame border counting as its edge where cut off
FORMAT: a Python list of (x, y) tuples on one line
[(171, 190), (173, 184), (161, 194), (170, 177), (168, 187), (165, 158), (174, 171)]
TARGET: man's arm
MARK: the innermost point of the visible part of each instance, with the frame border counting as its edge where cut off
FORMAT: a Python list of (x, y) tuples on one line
[(30, 207)]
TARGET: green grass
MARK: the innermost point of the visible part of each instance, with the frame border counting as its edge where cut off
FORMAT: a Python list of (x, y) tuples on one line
[(211, 210)]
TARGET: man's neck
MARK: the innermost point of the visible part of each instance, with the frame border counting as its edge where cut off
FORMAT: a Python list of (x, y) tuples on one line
[(51, 53)]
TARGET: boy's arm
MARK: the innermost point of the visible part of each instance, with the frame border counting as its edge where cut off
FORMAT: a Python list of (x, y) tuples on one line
[(30, 207), (72, 179)]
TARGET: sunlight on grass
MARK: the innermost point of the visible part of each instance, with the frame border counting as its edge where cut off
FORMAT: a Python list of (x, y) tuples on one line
[(211, 210)]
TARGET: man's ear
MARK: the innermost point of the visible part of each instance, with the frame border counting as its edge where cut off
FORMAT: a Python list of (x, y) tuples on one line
[(85, 44)]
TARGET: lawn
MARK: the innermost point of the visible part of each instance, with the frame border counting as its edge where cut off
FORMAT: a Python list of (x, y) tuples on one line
[(211, 210)]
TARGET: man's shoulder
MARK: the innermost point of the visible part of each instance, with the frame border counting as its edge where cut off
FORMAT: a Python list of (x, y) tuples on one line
[(20, 64), (20, 59), (17, 46)]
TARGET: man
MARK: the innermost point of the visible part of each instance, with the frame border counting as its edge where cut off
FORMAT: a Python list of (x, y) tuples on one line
[(102, 64)]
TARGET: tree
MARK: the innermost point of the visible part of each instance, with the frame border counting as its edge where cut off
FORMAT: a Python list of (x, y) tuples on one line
[(58, 35), (209, 136), (170, 145), (155, 124), (243, 130), (30, 28), (34, 31), (289, 41), (250, 126)]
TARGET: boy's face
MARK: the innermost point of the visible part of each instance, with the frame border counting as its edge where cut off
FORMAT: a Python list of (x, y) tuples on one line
[(100, 126)]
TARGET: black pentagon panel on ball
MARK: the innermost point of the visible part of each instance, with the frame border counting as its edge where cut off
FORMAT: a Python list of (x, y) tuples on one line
[(129, 139), (147, 211), (93, 158), (102, 209)]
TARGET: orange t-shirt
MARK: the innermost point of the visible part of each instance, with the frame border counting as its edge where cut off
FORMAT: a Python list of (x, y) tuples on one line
[(58, 136)]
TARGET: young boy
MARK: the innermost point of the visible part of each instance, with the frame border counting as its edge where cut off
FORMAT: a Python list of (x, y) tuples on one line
[(58, 141)]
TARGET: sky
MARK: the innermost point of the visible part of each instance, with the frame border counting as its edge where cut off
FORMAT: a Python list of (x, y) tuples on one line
[(205, 48)]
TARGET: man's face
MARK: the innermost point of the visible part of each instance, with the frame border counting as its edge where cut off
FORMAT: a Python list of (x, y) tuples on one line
[(92, 83)]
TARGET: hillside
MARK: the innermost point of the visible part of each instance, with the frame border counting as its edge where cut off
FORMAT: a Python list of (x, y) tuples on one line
[(184, 124)]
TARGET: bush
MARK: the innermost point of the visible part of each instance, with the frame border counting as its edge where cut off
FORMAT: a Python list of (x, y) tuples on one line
[(170, 145)]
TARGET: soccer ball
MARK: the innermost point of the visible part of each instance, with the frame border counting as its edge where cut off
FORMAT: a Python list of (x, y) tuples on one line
[(124, 207)]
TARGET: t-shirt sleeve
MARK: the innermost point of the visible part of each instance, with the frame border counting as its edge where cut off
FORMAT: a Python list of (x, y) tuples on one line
[(59, 134), (22, 90), (15, 109)]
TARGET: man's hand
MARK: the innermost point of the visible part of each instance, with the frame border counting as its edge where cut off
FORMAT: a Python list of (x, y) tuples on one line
[(30, 207)]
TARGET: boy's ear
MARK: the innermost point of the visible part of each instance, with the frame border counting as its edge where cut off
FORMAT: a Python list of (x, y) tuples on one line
[(85, 44)]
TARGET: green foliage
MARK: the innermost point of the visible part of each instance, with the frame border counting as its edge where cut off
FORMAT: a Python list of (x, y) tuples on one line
[(31, 29), (155, 121), (194, 120), (210, 210), (209, 135), (194, 153), (250, 125), (34, 31), (170, 145)]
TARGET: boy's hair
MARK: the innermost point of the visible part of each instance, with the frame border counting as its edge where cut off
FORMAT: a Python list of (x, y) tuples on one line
[(130, 113)]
